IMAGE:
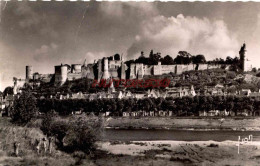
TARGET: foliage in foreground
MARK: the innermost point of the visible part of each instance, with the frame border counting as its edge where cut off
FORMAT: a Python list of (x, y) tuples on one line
[(24, 108), (74, 134)]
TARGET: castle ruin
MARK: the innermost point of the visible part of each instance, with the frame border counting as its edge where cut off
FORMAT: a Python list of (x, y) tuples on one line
[(115, 67)]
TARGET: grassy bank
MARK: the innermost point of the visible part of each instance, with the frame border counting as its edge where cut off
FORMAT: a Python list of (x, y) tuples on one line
[(26, 136), (238, 123)]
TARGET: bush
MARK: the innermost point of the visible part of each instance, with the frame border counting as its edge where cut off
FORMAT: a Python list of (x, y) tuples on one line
[(213, 145), (74, 134), (24, 108), (81, 136)]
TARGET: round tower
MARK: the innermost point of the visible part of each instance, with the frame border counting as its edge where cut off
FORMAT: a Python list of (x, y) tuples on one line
[(106, 74), (105, 64), (29, 72), (64, 73)]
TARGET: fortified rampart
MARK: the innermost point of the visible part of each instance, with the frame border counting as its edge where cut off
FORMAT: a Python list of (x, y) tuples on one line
[(76, 68), (111, 67), (159, 69), (105, 68)]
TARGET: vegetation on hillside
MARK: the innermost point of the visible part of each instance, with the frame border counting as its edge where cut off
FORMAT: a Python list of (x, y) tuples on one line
[(179, 106)]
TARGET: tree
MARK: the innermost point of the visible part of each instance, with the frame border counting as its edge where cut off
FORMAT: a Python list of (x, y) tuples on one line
[(198, 59), (154, 58), (183, 57), (27, 87), (117, 57), (254, 70), (167, 60), (229, 60), (8, 90), (258, 74), (82, 135), (24, 108)]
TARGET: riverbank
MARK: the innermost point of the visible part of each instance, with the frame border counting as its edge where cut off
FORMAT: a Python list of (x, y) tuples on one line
[(229, 123), (127, 153), (187, 153)]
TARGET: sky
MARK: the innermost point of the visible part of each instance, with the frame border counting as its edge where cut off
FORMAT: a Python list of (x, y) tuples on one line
[(45, 34)]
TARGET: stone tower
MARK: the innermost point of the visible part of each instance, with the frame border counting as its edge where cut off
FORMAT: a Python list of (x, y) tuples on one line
[(106, 74), (29, 72), (64, 72), (61, 74)]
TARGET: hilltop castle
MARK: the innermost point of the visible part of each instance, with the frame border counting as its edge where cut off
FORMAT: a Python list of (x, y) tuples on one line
[(115, 67), (105, 68)]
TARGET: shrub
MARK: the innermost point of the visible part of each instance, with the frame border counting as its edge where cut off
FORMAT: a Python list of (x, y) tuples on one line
[(81, 136), (213, 145), (24, 108), (74, 134)]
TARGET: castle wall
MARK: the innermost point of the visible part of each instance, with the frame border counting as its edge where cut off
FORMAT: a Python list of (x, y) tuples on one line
[(139, 68), (178, 69), (184, 68), (191, 67), (123, 75), (136, 70), (214, 66), (88, 72), (203, 66), (113, 73), (114, 64), (157, 69), (76, 68), (148, 70), (99, 69), (165, 69), (74, 76), (132, 71)]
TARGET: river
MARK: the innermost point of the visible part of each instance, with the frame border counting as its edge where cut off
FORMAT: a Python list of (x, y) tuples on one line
[(175, 135)]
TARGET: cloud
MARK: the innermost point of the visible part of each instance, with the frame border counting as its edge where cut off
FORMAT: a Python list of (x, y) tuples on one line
[(112, 9), (253, 49), (45, 51), (9, 67), (28, 16), (169, 35), (127, 9), (94, 56)]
